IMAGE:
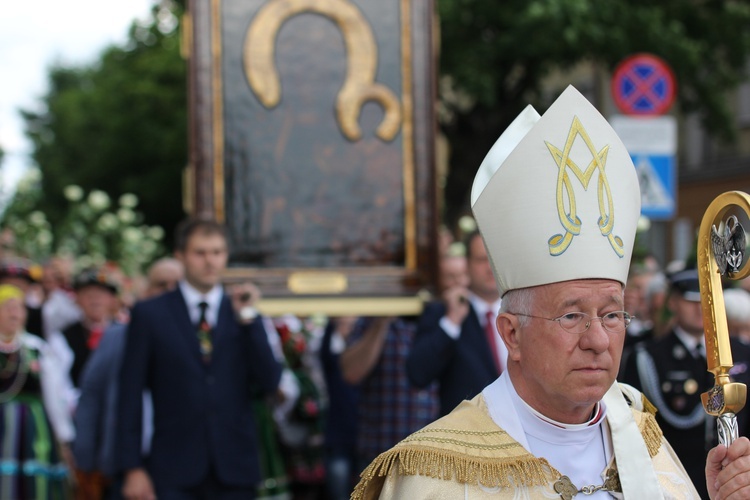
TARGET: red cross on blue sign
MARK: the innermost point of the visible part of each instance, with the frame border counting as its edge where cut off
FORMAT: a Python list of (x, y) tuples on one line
[(643, 84)]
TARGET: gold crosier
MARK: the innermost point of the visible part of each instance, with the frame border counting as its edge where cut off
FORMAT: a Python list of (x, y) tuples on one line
[(569, 219), (362, 56), (726, 398)]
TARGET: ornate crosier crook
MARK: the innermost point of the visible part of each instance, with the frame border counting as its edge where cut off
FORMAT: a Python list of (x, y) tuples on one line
[(720, 252)]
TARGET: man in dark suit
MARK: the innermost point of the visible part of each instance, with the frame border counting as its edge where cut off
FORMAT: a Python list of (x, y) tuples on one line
[(672, 372), (204, 355), (456, 341), (96, 413)]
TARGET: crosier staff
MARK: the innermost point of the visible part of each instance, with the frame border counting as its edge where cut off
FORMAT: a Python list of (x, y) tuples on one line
[(720, 253)]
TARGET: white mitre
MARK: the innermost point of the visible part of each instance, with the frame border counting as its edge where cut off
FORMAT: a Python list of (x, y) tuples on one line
[(557, 198)]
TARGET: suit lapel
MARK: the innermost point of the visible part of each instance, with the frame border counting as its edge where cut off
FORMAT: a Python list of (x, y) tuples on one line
[(223, 320)]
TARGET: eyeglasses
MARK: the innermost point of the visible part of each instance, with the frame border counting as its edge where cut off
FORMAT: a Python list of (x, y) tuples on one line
[(578, 322)]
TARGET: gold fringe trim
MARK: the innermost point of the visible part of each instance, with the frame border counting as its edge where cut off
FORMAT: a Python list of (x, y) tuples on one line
[(651, 433), (648, 405), (440, 464), (467, 456)]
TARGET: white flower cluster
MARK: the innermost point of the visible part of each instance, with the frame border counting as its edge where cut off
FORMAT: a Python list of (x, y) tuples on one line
[(94, 230), (73, 193)]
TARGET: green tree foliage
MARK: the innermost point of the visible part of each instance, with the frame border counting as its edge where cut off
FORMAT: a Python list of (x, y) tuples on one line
[(91, 228), (119, 125), (495, 56)]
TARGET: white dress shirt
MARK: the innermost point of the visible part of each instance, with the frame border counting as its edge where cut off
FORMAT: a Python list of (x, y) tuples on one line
[(193, 297)]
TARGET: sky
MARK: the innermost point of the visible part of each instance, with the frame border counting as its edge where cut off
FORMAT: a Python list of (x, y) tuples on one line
[(36, 34)]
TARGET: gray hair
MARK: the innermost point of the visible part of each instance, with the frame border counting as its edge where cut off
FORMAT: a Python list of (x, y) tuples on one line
[(737, 303), (657, 284), (519, 301)]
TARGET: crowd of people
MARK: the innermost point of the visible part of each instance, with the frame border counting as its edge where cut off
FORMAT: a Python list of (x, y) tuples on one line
[(349, 388), (130, 412), (181, 389)]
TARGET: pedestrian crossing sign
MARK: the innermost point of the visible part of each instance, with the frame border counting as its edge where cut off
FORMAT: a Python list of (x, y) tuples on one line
[(652, 144), (656, 176)]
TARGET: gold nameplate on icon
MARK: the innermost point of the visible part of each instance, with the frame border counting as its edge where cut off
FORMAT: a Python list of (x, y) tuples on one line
[(316, 282)]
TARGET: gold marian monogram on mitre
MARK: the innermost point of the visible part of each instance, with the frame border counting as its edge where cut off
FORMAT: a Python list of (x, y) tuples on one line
[(568, 216), (567, 490)]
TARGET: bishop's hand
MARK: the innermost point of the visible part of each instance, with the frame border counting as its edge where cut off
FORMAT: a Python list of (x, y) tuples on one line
[(728, 471)]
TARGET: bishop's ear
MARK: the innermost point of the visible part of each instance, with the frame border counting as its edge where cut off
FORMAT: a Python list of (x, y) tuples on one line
[(508, 327)]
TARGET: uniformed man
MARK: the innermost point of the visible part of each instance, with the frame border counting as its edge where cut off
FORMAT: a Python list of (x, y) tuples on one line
[(671, 372)]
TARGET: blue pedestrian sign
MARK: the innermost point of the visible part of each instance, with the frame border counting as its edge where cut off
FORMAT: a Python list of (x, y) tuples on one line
[(652, 144), (656, 176)]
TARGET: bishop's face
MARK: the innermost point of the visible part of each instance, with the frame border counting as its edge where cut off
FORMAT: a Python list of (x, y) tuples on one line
[(562, 374)]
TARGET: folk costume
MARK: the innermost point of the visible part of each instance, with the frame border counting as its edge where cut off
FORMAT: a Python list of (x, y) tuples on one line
[(34, 418), (75, 344), (22, 273), (556, 199)]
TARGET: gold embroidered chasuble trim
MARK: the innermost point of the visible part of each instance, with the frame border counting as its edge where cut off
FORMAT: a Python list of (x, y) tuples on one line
[(467, 446), (650, 430)]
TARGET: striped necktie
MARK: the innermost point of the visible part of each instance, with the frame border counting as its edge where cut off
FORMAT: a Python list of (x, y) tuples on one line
[(204, 334)]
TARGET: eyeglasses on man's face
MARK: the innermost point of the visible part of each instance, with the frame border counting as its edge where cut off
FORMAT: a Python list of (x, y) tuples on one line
[(579, 322)]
